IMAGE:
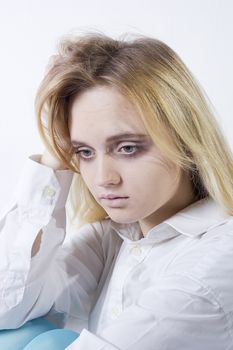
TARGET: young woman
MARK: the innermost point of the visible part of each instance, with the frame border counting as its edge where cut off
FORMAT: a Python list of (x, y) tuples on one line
[(131, 137)]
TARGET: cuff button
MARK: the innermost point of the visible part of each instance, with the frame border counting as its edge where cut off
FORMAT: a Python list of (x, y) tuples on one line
[(48, 192)]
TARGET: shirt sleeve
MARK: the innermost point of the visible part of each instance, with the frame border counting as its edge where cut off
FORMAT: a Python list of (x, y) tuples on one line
[(178, 313), (58, 274)]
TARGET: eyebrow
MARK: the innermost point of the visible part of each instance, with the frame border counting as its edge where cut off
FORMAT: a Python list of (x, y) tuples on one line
[(115, 138)]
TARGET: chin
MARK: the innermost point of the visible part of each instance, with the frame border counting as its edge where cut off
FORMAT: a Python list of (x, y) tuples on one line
[(120, 219)]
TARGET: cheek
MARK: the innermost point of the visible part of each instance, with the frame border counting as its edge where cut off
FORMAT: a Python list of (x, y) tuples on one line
[(155, 174), (167, 180), (88, 177)]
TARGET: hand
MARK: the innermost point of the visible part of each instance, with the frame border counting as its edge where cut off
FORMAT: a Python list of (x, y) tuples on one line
[(51, 161)]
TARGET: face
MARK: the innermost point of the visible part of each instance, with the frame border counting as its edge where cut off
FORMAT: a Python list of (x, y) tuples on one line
[(117, 158)]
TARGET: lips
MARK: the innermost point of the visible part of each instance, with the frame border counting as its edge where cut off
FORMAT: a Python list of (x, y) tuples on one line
[(117, 202), (112, 196)]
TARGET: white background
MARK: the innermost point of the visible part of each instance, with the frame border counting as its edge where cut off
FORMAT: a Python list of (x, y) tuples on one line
[(200, 31)]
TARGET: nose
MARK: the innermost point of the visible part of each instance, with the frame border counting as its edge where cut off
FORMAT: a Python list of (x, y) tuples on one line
[(107, 173)]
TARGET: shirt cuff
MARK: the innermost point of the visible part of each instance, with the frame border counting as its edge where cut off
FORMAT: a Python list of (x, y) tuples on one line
[(40, 189)]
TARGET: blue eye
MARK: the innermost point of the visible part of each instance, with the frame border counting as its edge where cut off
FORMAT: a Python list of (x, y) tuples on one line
[(130, 151), (82, 152), (130, 147)]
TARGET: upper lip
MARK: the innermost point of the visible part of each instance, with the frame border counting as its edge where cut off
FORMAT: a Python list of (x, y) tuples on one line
[(111, 196)]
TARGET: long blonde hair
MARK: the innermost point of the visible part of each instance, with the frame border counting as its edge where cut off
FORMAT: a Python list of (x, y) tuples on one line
[(168, 98)]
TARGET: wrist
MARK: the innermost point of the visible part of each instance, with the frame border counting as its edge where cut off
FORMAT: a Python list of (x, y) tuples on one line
[(52, 162)]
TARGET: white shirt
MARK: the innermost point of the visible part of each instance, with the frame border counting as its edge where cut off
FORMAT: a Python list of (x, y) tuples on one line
[(170, 290)]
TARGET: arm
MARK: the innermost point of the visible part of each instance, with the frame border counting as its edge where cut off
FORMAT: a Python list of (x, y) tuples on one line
[(178, 313), (30, 287), (50, 161)]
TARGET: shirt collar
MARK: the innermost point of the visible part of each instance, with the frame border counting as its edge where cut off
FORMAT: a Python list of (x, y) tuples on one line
[(194, 220)]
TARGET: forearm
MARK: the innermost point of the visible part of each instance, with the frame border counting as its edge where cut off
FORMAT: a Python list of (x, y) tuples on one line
[(34, 212), (48, 160)]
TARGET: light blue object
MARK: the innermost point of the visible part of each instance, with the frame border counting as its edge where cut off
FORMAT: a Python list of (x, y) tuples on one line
[(36, 334), (56, 339)]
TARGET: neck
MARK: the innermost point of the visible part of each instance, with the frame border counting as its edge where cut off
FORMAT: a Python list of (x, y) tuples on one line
[(182, 198)]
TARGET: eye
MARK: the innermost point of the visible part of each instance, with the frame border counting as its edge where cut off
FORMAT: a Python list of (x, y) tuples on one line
[(130, 149), (84, 153)]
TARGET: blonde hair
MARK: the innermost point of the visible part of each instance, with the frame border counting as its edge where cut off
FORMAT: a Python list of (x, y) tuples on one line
[(168, 98)]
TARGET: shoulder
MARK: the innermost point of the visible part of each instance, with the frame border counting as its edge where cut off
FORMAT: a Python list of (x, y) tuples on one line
[(99, 233)]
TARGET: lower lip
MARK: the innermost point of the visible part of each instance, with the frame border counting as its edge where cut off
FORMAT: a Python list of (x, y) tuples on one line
[(118, 202)]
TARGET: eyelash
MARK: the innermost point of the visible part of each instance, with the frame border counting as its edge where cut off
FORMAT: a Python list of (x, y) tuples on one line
[(137, 148)]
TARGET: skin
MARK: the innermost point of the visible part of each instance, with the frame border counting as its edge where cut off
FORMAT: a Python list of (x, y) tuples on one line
[(156, 188)]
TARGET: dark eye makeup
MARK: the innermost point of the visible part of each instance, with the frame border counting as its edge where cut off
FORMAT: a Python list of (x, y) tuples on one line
[(85, 154)]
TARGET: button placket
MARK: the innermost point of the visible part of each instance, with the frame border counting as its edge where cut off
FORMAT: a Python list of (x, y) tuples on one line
[(125, 264), (131, 257), (136, 250)]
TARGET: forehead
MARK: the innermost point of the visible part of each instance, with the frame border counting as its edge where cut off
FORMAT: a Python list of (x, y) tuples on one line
[(103, 110)]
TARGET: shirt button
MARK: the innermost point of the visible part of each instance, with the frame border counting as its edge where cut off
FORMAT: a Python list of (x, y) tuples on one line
[(136, 250)]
